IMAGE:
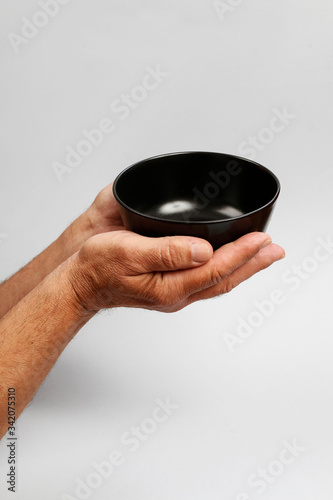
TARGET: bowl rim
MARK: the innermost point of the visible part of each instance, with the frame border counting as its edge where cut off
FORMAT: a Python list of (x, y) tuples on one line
[(192, 222)]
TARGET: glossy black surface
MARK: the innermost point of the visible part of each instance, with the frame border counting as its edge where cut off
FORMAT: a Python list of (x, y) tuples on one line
[(214, 196)]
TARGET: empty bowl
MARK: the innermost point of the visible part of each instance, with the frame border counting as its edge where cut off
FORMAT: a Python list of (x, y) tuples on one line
[(215, 196)]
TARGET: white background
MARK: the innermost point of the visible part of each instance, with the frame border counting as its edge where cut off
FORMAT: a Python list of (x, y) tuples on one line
[(226, 76)]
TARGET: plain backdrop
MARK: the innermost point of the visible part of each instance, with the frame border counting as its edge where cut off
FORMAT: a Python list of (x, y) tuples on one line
[(228, 69)]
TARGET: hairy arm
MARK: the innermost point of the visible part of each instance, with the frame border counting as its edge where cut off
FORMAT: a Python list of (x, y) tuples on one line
[(26, 279), (102, 216), (33, 335), (42, 312)]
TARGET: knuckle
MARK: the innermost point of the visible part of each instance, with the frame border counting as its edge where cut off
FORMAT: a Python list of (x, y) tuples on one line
[(218, 275), (245, 247), (122, 249), (170, 255), (228, 286)]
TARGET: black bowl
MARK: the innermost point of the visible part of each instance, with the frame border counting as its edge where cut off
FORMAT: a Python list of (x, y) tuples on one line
[(218, 197)]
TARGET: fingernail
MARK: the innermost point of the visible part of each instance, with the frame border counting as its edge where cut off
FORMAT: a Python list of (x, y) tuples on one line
[(266, 243), (282, 256), (200, 252)]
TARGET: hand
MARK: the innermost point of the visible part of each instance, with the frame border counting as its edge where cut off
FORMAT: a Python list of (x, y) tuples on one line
[(123, 269), (103, 214)]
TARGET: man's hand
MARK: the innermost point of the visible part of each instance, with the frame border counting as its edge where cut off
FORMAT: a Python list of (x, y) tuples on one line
[(123, 269), (97, 264), (102, 216)]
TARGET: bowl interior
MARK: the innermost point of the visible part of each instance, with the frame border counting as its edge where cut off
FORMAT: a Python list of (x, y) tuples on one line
[(196, 187)]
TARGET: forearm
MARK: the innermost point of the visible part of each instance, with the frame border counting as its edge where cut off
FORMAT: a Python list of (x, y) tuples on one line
[(25, 280), (33, 335)]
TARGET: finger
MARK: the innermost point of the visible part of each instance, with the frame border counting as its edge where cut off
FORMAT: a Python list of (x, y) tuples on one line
[(171, 253), (224, 261), (262, 260)]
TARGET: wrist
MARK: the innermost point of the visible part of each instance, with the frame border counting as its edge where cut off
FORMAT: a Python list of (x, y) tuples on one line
[(72, 239), (92, 279), (69, 278)]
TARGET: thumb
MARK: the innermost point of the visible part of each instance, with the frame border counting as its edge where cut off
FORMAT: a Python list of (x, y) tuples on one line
[(173, 253)]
